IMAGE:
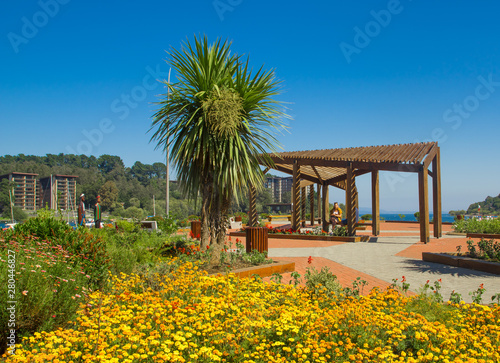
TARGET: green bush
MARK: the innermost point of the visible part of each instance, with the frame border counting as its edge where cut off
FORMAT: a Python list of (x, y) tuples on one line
[(128, 246), (79, 241), (256, 258), (366, 217), (340, 231), (50, 283), (168, 225), (486, 249), (127, 226), (473, 225), (322, 282)]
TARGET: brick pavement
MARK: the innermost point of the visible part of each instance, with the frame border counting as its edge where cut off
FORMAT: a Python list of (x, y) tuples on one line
[(395, 253)]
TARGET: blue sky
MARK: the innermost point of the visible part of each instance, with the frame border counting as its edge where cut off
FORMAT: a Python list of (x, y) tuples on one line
[(80, 77)]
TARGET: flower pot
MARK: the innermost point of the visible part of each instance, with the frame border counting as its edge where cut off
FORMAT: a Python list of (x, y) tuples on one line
[(237, 219)]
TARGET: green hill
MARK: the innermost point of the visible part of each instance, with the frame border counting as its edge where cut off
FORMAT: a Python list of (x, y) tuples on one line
[(491, 205)]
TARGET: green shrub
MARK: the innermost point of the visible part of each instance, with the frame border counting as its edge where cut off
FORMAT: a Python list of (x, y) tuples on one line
[(127, 226), (486, 249), (366, 217), (77, 241), (473, 225), (168, 225), (322, 282), (256, 258), (50, 283), (128, 246), (340, 231)]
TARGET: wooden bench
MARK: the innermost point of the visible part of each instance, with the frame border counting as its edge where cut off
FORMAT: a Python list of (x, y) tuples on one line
[(270, 218)]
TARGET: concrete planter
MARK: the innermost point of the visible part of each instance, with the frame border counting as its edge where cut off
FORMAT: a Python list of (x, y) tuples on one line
[(265, 270), (462, 261), (304, 237)]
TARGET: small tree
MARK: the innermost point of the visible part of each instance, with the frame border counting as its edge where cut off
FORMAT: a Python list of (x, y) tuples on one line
[(218, 120), (109, 194)]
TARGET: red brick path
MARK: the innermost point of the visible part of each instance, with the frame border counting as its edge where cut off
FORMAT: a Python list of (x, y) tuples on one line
[(346, 275)]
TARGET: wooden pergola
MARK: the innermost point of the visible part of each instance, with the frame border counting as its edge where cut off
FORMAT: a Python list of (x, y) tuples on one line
[(340, 167)]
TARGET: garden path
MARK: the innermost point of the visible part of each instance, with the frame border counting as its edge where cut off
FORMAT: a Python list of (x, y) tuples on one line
[(394, 254)]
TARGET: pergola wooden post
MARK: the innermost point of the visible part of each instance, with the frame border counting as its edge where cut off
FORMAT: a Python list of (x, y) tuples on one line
[(252, 214), (303, 206), (375, 204), (436, 195), (311, 203), (325, 216), (423, 192), (350, 200), (295, 196), (318, 198)]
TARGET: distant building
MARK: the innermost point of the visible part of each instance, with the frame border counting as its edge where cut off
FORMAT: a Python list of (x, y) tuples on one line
[(278, 186), (58, 192), (280, 207), (25, 189)]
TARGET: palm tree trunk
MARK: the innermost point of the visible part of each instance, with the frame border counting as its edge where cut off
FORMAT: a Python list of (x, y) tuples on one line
[(205, 216)]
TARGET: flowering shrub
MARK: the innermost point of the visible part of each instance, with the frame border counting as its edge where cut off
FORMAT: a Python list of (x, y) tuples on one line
[(50, 283), (197, 318), (90, 247)]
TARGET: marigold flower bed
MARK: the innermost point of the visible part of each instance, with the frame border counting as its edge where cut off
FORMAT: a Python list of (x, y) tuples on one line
[(192, 317)]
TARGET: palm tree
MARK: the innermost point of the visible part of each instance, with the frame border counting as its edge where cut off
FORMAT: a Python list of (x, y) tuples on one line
[(219, 122)]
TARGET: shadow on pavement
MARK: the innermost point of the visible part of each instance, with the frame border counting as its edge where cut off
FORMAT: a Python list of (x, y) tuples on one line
[(440, 269)]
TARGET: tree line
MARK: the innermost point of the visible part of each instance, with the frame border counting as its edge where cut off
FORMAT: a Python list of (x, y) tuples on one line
[(121, 187), (125, 191)]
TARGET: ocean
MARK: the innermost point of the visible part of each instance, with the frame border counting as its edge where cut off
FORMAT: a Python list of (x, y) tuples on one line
[(410, 217)]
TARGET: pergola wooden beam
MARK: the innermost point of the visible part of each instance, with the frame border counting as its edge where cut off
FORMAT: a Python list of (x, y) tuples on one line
[(369, 166)]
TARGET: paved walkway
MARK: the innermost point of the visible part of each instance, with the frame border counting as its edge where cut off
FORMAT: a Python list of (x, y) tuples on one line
[(396, 253)]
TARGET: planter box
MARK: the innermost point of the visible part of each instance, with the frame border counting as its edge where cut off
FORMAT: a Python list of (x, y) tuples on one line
[(462, 261), (265, 270), (309, 237), (483, 235)]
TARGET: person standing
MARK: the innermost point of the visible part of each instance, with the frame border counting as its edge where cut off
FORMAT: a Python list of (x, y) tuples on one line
[(81, 211), (97, 212)]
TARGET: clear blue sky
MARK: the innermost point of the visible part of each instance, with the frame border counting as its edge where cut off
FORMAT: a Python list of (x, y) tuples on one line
[(79, 77)]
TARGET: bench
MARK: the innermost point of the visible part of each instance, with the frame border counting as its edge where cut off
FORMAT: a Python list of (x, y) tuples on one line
[(270, 218)]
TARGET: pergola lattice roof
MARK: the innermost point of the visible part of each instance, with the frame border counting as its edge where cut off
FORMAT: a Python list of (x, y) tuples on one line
[(329, 165)]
